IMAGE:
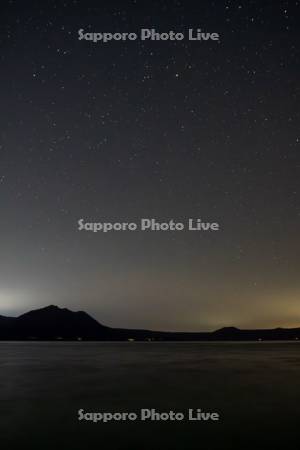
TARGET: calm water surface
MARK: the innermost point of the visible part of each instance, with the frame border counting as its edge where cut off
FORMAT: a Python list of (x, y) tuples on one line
[(255, 387)]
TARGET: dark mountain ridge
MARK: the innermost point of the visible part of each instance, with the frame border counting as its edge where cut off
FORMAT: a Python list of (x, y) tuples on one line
[(54, 323)]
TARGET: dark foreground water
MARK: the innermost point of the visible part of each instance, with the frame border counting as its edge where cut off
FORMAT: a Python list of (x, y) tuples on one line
[(255, 387)]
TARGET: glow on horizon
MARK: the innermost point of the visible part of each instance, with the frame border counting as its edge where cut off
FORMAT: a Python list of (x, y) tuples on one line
[(276, 310)]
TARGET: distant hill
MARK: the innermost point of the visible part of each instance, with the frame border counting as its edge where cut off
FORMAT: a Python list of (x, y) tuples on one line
[(54, 323)]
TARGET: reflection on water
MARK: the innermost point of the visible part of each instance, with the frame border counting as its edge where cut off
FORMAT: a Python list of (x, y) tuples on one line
[(255, 387)]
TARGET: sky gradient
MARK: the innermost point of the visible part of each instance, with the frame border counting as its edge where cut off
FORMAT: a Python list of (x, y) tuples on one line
[(169, 130)]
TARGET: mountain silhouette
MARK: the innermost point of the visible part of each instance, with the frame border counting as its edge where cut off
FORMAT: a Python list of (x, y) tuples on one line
[(54, 323)]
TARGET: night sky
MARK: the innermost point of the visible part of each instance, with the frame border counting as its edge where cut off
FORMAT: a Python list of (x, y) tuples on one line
[(126, 130)]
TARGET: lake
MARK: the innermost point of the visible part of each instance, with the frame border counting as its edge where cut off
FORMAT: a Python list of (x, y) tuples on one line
[(254, 387)]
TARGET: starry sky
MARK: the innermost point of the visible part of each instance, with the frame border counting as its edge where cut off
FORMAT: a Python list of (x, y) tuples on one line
[(161, 129)]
